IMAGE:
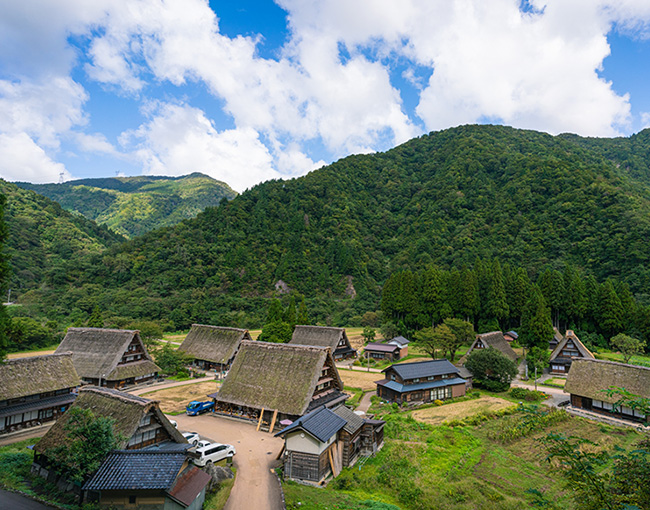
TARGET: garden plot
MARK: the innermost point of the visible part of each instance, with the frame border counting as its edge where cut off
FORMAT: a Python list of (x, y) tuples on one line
[(363, 380), (460, 410)]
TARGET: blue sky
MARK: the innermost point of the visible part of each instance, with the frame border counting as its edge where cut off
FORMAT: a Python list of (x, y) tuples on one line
[(253, 90)]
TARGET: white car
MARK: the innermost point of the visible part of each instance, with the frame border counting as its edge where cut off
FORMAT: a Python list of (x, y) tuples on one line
[(213, 453), (203, 442), (173, 422), (192, 437)]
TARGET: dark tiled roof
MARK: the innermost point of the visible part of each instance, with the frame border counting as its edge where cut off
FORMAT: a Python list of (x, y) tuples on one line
[(513, 334), (399, 340), (329, 399), (37, 374), (188, 486), (213, 343), (377, 347), (320, 423), (426, 385), (136, 469), (465, 373), (353, 421), (423, 369)]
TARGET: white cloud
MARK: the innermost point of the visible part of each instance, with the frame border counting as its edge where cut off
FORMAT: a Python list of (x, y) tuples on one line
[(23, 160), (96, 143), (179, 139)]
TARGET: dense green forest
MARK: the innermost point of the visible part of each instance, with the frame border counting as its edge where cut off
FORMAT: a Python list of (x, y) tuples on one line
[(533, 201), (132, 206)]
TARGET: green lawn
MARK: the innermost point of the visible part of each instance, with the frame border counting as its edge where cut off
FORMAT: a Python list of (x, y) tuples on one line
[(616, 356), (424, 467)]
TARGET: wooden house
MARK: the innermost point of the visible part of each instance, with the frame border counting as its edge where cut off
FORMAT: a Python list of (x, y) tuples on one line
[(109, 357), (324, 441), (271, 382), (320, 336), (589, 378), (496, 340), (139, 423), (213, 347), (557, 338), (510, 336), (148, 480), (403, 344), (376, 350), (568, 349), (464, 373), (423, 381), (36, 390)]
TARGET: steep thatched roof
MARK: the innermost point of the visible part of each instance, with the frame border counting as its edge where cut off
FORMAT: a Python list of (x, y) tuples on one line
[(127, 410), (319, 336), (496, 340), (213, 343), (587, 377), (275, 376), (97, 351), (570, 335), (39, 374)]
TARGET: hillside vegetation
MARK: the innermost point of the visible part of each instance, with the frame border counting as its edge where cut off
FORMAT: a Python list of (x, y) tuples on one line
[(132, 206), (335, 235)]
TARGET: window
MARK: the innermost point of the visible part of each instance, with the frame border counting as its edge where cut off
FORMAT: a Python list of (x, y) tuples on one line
[(392, 377), (440, 393), (146, 420), (597, 404), (431, 378), (607, 406), (415, 381), (322, 386), (131, 500), (446, 376)]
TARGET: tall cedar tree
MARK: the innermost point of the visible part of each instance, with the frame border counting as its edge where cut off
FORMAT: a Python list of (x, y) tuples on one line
[(536, 327), (432, 294), (5, 321), (610, 310), (497, 304)]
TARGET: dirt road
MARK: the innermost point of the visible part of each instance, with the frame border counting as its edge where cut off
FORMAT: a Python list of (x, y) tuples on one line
[(255, 488)]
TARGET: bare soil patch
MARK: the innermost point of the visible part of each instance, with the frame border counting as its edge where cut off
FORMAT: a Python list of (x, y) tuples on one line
[(460, 410), (363, 380), (174, 400)]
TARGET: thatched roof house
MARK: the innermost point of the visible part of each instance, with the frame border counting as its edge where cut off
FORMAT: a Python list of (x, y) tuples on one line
[(321, 336), (35, 390), (289, 379), (557, 338), (110, 357), (139, 421), (567, 349), (588, 378), (213, 346), (496, 340)]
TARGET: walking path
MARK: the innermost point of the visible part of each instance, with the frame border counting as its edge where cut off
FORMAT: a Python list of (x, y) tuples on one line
[(364, 404)]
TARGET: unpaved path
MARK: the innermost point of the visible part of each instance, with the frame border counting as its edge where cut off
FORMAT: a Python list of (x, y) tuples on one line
[(256, 487)]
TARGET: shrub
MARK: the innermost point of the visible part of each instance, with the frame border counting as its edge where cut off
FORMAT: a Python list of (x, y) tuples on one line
[(438, 402), (527, 395)]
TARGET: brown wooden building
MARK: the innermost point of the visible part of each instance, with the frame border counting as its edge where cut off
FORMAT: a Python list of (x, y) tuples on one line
[(213, 347), (496, 340), (376, 350), (568, 348), (335, 339), (423, 381), (109, 357), (589, 378), (271, 382), (139, 423), (36, 390)]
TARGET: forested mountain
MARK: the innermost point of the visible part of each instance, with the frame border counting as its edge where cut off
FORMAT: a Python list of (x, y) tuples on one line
[(43, 237), (132, 206), (529, 199)]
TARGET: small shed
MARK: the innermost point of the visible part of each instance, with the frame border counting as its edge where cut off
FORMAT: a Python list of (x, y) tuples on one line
[(376, 350), (213, 347)]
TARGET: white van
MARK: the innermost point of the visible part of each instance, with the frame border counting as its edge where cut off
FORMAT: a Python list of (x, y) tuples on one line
[(213, 453)]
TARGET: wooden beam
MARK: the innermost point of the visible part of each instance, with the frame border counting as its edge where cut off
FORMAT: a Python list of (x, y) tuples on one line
[(259, 423), (275, 415), (329, 453)]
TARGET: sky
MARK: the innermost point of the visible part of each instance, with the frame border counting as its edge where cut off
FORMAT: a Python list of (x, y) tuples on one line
[(251, 90)]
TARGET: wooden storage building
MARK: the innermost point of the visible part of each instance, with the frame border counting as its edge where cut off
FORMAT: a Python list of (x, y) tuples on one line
[(423, 381), (568, 349), (321, 336), (589, 378), (36, 390), (496, 340), (109, 357), (376, 350), (271, 382), (213, 347)]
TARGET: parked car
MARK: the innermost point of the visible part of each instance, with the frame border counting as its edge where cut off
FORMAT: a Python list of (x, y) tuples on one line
[(173, 422), (196, 407), (213, 453), (203, 442), (192, 437)]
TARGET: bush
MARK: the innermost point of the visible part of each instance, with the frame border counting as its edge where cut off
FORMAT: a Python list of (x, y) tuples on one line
[(438, 402), (527, 395)]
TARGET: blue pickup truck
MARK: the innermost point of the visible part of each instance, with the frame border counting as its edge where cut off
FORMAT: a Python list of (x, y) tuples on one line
[(195, 407)]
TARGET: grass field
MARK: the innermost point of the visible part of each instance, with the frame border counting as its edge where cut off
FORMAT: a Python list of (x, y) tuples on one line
[(460, 410), (363, 380), (617, 356), (555, 382), (174, 400)]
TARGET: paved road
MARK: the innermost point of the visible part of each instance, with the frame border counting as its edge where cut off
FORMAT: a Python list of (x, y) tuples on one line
[(255, 488), (364, 405), (13, 501)]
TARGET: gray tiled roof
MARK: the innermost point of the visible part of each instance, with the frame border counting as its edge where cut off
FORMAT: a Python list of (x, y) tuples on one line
[(423, 369), (353, 421), (320, 423), (134, 469)]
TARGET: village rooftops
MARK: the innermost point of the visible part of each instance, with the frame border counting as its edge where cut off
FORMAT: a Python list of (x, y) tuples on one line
[(420, 369), (379, 347), (570, 336), (97, 353), (496, 340), (399, 340), (322, 336), (213, 343), (353, 421), (591, 377), (23, 377), (321, 423)]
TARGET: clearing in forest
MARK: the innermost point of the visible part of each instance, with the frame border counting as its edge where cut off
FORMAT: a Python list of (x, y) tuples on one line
[(460, 410)]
